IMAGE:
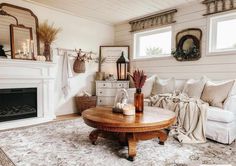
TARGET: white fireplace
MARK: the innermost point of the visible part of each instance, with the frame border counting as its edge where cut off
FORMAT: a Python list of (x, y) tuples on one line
[(30, 74)]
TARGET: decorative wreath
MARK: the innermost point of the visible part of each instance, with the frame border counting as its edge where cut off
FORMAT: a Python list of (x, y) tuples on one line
[(192, 52)]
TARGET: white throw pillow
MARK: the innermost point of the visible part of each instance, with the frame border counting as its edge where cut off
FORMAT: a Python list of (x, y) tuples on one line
[(161, 86), (233, 90), (147, 87), (193, 88), (216, 94)]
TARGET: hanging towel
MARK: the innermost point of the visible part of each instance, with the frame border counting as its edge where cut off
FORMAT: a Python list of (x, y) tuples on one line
[(65, 75), (70, 67)]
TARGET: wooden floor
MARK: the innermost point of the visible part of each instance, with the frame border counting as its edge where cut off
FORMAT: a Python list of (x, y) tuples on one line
[(68, 117)]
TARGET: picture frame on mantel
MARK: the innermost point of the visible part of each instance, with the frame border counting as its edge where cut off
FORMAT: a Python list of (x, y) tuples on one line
[(111, 53)]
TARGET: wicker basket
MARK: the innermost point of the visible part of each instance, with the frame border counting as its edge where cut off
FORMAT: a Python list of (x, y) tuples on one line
[(79, 66), (85, 102)]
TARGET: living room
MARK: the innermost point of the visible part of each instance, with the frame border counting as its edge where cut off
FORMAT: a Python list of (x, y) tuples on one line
[(117, 82)]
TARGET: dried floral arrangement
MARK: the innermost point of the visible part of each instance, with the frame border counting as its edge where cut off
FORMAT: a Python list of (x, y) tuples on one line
[(83, 56), (100, 60), (47, 33), (138, 78)]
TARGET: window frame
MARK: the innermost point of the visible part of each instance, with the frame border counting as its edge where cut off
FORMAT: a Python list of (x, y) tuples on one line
[(212, 34), (136, 43)]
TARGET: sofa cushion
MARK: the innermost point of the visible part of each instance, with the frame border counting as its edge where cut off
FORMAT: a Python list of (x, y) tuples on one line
[(220, 115), (193, 88), (179, 84), (161, 86), (147, 87), (233, 90), (216, 94)]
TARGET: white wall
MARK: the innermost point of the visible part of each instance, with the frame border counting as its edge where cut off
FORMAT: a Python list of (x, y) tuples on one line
[(188, 16), (76, 33)]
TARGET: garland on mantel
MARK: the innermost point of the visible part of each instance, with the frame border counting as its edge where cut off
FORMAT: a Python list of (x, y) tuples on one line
[(158, 19), (218, 6)]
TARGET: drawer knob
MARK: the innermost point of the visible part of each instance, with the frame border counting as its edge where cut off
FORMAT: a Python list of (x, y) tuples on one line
[(104, 84), (100, 101), (100, 92)]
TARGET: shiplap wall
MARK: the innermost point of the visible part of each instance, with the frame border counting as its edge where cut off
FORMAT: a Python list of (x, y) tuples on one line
[(188, 16)]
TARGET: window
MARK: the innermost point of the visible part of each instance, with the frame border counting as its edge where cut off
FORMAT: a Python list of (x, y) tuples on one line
[(222, 33), (155, 43)]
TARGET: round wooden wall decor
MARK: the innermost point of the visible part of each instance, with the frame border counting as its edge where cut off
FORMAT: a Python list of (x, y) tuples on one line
[(188, 45)]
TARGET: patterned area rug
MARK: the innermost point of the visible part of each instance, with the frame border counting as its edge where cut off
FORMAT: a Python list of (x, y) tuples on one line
[(66, 143)]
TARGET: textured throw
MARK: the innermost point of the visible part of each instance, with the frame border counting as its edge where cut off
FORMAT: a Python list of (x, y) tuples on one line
[(191, 116)]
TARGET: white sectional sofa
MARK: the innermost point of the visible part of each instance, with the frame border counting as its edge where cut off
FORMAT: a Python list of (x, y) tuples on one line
[(221, 122)]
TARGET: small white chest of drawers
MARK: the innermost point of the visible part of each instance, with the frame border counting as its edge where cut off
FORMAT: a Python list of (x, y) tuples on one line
[(106, 91)]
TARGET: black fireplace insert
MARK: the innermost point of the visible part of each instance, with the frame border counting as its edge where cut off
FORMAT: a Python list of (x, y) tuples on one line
[(18, 103)]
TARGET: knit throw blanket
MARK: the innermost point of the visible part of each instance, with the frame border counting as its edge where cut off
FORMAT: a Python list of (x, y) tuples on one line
[(191, 116)]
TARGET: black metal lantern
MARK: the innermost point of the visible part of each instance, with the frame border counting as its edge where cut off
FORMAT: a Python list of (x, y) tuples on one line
[(122, 66)]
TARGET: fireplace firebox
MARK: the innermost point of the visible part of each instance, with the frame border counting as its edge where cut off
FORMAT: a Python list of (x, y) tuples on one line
[(18, 103)]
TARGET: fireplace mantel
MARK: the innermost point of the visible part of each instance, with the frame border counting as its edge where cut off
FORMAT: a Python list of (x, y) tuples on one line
[(30, 74)]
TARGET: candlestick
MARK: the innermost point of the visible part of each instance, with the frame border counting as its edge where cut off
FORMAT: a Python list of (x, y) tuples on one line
[(19, 54), (28, 46), (30, 50), (32, 46), (24, 48)]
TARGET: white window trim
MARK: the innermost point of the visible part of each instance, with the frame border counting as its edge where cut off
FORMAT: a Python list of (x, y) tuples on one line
[(144, 33), (212, 51)]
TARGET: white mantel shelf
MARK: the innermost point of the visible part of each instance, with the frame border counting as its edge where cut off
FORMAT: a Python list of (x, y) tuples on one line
[(25, 62), (30, 74), (26, 69)]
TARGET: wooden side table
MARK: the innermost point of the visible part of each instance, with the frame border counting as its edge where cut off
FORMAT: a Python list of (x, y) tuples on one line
[(85, 102)]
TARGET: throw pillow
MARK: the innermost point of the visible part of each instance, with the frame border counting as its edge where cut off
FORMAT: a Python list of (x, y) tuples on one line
[(232, 93), (193, 88), (161, 86), (216, 94), (147, 87)]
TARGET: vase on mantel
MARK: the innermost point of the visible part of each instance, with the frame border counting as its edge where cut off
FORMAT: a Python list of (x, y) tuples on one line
[(138, 101), (47, 51)]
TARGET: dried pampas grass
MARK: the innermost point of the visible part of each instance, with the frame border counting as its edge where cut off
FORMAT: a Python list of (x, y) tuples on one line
[(47, 33)]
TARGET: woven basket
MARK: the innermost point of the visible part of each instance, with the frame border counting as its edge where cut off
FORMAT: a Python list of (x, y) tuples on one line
[(85, 102), (79, 66)]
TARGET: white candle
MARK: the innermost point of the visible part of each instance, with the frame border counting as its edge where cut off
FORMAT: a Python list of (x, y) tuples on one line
[(19, 54), (28, 46), (24, 48), (32, 47), (129, 110)]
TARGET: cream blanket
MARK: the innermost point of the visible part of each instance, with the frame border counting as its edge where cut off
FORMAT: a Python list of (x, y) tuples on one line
[(191, 116)]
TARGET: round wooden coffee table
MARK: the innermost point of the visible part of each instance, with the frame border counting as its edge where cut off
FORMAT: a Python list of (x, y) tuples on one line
[(128, 130)]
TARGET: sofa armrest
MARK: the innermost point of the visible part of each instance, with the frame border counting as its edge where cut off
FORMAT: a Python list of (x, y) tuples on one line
[(230, 104)]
